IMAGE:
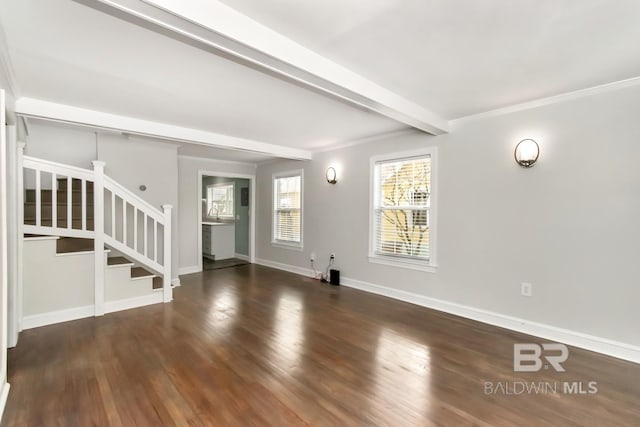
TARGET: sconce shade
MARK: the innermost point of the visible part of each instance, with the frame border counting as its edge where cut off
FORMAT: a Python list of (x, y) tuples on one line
[(527, 152), (332, 177)]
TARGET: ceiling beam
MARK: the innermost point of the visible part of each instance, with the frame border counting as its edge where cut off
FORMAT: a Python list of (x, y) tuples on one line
[(218, 25), (29, 107)]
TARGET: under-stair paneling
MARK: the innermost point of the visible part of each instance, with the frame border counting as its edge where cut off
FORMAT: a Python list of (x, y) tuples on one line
[(119, 285), (55, 282)]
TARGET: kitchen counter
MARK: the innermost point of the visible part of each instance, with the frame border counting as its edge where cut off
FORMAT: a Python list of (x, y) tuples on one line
[(218, 239), (218, 223)]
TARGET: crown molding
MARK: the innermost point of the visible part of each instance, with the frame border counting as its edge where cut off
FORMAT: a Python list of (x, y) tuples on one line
[(608, 87)]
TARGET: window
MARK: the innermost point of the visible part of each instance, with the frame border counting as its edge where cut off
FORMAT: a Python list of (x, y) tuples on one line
[(402, 210), (220, 200), (287, 209)]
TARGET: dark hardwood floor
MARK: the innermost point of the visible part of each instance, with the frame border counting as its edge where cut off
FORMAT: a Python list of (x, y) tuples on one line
[(250, 346)]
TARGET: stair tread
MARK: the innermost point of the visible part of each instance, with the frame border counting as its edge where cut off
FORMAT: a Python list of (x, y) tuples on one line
[(73, 244), (138, 272), (118, 260)]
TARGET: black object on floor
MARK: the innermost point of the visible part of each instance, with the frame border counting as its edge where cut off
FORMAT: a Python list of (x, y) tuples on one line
[(334, 277), (208, 264)]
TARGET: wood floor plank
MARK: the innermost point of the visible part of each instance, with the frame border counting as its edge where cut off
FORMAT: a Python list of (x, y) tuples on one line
[(253, 346)]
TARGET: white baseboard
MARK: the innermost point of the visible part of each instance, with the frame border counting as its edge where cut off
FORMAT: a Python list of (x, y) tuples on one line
[(189, 270), (242, 257), (285, 267), (126, 304), (4, 395), (176, 282), (37, 320), (606, 346)]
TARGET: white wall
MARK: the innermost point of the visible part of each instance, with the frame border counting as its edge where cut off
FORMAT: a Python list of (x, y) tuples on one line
[(53, 288), (133, 161), (569, 225), (76, 147), (189, 202)]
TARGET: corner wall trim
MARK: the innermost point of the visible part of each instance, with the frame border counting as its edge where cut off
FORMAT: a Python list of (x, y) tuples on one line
[(128, 303), (601, 345), (242, 257), (188, 270), (4, 394), (59, 316)]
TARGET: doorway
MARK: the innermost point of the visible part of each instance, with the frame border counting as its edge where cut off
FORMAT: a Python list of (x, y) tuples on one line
[(226, 236)]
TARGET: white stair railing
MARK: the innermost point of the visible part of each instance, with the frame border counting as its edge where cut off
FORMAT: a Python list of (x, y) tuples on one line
[(137, 229), (45, 180), (121, 219)]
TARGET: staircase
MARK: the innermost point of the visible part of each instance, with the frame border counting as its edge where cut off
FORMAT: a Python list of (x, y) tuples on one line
[(75, 219)]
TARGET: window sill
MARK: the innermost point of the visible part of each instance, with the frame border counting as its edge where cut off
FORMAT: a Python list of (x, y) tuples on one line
[(403, 263), (290, 246)]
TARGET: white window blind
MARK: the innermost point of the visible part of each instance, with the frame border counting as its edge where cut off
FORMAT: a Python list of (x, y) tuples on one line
[(287, 216), (220, 200), (401, 217)]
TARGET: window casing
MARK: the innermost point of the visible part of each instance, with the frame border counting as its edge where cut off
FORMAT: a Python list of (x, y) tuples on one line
[(287, 210), (402, 211), (220, 200)]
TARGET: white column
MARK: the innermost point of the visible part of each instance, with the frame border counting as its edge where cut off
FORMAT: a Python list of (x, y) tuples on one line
[(3, 254), (12, 234), (20, 275), (98, 236), (167, 291)]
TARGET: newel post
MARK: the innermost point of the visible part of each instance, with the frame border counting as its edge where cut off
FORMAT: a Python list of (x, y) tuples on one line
[(167, 291), (98, 236)]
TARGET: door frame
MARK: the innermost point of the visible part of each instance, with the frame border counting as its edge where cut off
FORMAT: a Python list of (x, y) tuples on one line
[(252, 210)]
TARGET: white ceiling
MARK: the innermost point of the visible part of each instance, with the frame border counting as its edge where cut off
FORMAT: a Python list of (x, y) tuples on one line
[(454, 57), (461, 57), (69, 53)]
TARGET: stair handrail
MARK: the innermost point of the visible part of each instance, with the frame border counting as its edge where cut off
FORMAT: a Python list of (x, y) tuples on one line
[(30, 162), (57, 171), (134, 199)]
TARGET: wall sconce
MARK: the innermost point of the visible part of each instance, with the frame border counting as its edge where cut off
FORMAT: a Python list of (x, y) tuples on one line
[(332, 176), (526, 153)]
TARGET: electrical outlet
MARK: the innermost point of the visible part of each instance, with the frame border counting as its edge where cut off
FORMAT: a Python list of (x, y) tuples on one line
[(332, 256), (312, 257), (526, 289)]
